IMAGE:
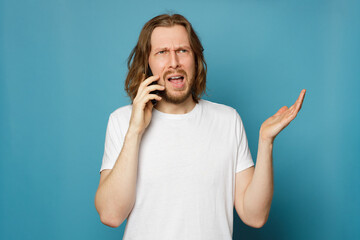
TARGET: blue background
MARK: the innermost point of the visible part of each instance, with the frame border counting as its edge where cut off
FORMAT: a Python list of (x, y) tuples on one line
[(63, 65)]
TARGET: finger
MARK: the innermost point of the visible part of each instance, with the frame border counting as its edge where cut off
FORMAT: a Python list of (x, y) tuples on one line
[(151, 88), (149, 97), (298, 103), (150, 79), (301, 96), (281, 110), (294, 109), (303, 92), (154, 87), (147, 81), (144, 100), (149, 105), (144, 84)]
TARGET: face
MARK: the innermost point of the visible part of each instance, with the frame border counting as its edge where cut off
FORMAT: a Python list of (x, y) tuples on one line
[(172, 59)]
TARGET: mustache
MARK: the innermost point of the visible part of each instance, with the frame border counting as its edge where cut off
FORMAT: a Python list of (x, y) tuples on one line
[(179, 71)]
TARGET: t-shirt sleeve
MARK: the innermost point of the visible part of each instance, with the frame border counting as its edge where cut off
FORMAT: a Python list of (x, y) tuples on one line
[(244, 159), (113, 144)]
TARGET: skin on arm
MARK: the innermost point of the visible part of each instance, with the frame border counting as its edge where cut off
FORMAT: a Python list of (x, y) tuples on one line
[(115, 196), (242, 181), (254, 186)]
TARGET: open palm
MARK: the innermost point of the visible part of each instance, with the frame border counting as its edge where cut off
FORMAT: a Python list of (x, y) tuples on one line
[(276, 123)]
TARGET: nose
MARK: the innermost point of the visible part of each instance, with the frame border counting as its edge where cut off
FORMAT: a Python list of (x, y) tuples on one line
[(174, 60)]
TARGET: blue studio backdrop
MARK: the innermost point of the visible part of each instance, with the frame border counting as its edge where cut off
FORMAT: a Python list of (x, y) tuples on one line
[(63, 65)]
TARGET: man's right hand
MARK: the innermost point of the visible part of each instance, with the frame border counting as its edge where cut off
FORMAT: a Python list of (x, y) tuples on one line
[(142, 106), (116, 194)]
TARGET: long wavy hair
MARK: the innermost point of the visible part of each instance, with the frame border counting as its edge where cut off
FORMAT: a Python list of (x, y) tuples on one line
[(138, 61)]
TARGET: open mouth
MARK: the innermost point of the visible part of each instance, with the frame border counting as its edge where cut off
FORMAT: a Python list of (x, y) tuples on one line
[(176, 81)]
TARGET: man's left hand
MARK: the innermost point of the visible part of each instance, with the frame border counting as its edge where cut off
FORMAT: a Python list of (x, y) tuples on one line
[(275, 124)]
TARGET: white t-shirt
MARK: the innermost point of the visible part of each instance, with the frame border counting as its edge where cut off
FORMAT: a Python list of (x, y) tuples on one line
[(186, 173)]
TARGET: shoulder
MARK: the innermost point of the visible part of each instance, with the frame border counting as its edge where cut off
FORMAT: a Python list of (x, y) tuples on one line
[(121, 113), (119, 120), (218, 109)]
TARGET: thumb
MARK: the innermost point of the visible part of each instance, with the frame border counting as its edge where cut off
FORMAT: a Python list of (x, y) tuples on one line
[(149, 105), (281, 110)]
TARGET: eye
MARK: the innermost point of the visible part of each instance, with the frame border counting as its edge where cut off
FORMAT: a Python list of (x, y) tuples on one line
[(183, 50), (161, 52)]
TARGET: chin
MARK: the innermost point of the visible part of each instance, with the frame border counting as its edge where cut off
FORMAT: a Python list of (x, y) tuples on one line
[(176, 99)]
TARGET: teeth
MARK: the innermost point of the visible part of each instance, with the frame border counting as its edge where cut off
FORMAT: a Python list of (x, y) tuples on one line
[(175, 78)]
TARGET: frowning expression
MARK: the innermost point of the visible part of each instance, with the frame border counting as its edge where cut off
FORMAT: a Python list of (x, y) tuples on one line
[(172, 58)]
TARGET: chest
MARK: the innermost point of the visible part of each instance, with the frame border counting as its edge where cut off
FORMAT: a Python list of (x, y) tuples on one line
[(186, 156)]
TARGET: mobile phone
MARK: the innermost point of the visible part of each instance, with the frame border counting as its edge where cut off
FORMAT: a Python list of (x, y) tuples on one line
[(149, 74)]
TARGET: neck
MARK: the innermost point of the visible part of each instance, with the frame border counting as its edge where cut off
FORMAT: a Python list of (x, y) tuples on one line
[(172, 108)]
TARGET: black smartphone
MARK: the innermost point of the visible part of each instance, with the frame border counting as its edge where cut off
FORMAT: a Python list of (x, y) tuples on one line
[(149, 74)]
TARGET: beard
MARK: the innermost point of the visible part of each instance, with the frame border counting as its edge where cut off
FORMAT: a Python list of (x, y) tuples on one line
[(181, 96), (176, 99)]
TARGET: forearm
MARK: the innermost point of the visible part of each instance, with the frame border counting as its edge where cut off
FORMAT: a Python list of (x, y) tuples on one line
[(259, 193), (115, 196)]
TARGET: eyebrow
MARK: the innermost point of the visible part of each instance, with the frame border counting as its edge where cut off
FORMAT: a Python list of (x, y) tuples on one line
[(166, 48)]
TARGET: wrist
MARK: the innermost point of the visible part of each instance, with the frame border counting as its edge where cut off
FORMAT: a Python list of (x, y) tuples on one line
[(266, 140), (132, 132), (265, 146)]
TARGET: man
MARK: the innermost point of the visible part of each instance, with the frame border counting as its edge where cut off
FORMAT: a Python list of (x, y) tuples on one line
[(176, 169)]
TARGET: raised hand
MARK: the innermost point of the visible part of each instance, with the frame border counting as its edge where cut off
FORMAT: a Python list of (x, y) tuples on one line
[(275, 124), (142, 106)]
